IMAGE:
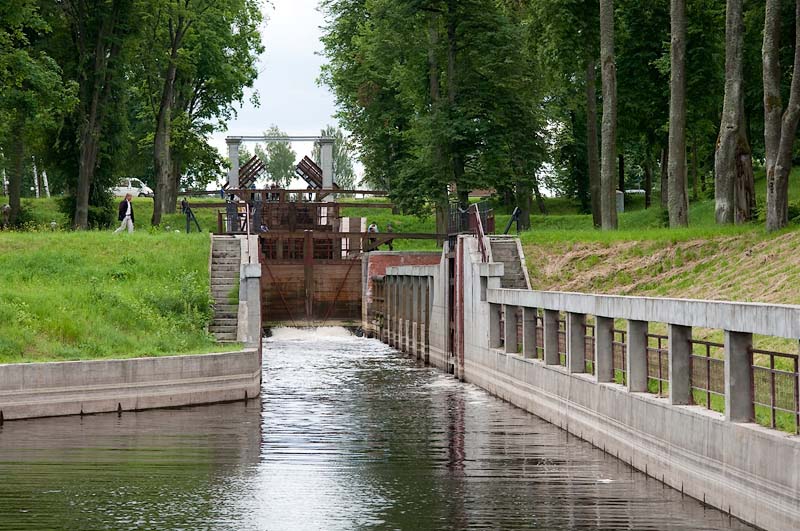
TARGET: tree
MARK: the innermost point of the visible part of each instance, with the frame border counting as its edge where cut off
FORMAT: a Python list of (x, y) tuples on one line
[(592, 150), (344, 174), (608, 199), (278, 157), (780, 127), (733, 176), (678, 197), (34, 95), (101, 30)]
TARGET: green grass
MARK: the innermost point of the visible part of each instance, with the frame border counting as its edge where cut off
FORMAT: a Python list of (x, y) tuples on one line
[(90, 295)]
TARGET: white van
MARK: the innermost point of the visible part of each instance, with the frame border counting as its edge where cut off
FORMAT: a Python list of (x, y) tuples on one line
[(132, 186)]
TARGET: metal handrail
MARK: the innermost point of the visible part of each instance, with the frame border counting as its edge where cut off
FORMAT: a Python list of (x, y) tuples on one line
[(247, 243), (479, 233)]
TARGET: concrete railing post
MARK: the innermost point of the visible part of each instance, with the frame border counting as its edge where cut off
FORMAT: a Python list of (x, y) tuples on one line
[(494, 326), (576, 352), (680, 350), (604, 349), (417, 314), (387, 308), (404, 292), (551, 356), (636, 353), (529, 332), (738, 377), (428, 301), (510, 332), (396, 312)]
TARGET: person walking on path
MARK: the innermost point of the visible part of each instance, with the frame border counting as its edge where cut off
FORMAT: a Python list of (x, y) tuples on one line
[(125, 215)]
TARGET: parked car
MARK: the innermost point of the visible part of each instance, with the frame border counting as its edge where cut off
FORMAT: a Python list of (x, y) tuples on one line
[(132, 186)]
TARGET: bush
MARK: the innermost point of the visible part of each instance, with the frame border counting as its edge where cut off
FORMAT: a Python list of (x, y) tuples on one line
[(102, 213)]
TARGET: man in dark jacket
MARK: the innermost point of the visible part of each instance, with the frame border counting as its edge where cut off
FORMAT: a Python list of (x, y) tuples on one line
[(125, 214)]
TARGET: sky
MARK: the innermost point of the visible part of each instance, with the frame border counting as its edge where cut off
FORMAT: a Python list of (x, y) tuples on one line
[(287, 82)]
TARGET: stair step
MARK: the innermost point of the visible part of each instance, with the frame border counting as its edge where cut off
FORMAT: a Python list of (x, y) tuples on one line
[(222, 329), (224, 268), (217, 323), (224, 316)]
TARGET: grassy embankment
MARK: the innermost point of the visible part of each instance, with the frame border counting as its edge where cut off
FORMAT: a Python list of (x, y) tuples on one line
[(91, 295)]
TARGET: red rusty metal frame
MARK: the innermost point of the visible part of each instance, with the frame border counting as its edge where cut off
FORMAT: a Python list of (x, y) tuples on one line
[(278, 289), (339, 291)]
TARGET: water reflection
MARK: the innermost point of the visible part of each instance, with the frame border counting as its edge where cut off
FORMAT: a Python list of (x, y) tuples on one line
[(347, 435)]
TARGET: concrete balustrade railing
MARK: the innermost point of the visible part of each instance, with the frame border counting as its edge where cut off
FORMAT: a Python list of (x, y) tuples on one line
[(739, 321)]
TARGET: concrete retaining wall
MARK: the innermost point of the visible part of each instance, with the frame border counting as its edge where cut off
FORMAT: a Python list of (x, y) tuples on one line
[(33, 390), (744, 469), (82, 387)]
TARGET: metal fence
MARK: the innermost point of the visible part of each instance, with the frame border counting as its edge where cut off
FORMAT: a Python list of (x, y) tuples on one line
[(707, 375), (657, 364), (619, 362), (776, 389)]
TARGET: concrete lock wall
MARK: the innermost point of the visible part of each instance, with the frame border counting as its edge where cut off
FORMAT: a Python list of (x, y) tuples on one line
[(82, 387), (725, 460), (32, 390)]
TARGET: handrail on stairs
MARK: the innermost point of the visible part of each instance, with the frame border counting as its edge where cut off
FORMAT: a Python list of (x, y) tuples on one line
[(482, 247)]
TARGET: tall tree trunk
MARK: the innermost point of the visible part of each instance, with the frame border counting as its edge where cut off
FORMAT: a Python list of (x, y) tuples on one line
[(524, 204), (592, 149), (94, 88), (695, 168), (539, 199), (174, 185), (664, 178), (745, 187), (45, 183), (727, 161), (678, 196), (608, 195), (457, 158), (18, 166), (35, 170), (87, 163), (161, 146), (442, 203), (779, 127), (648, 181)]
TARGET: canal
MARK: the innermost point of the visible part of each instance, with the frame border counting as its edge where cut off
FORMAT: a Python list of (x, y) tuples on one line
[(347, 434)]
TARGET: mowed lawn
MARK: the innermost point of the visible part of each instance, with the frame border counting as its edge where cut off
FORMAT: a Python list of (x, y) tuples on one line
[(89, 295)]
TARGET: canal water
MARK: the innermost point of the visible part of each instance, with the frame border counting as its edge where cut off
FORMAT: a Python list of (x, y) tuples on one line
[(348, 434)]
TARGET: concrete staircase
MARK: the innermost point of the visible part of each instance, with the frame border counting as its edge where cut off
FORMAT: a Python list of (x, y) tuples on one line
[(225, 262), (504, 249)]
